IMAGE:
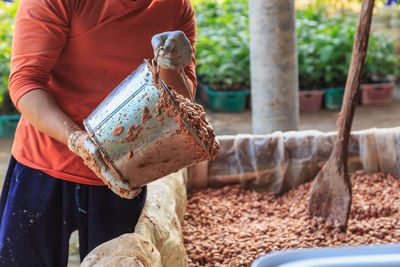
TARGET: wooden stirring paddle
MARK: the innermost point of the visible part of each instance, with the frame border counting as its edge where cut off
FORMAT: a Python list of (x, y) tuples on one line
[(331, 191)]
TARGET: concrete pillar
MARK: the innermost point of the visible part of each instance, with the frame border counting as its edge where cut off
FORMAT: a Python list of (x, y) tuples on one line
[(274, 71)]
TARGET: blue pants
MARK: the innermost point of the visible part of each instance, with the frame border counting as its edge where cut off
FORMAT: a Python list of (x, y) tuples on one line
[(38, 213)]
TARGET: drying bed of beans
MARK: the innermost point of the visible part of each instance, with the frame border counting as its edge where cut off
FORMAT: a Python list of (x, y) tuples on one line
[(232, 226)]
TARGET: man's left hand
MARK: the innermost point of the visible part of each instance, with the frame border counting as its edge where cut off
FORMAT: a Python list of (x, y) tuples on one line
[(81, 144), (172, 49)]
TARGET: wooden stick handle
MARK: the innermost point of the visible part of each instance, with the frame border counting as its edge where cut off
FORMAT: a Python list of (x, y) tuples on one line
[(358, 57)]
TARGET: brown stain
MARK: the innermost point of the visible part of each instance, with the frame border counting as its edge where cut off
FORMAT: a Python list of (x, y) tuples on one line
[(144, 165), (133, 133), (145, 115), (118, 131), (96, 168)]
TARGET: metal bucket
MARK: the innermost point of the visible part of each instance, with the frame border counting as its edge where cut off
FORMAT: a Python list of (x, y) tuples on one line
[(139, 144)]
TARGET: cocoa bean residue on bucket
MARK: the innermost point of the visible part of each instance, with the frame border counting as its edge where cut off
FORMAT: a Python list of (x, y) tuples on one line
[(133, 133), (189, 113), (195, 116), (89, 160), (145, 115), (118, 131)]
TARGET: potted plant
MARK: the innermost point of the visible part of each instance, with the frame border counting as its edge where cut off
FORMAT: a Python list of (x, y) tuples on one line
[(310, 96), (310, 93), (8, 115), (310, 100), (380, 71), (324, 45), (329, 49), (334, 54), (335, 58), (223, 53)]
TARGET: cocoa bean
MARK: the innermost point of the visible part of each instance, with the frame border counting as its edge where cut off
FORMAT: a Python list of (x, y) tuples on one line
[(232, 226)]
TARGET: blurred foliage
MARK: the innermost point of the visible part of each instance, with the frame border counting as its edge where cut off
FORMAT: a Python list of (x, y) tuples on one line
[(324, 51), (7, 14), (223, 44), (325, 42), (324, 46), (382, 65)]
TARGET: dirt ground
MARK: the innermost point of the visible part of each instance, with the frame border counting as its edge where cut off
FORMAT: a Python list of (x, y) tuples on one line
[(234, 123)]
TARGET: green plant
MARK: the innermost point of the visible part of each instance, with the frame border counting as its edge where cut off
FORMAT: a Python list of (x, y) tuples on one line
[(7, 14), (324, 51), (223, 44), (324, 44), (324, 48), (382, 65)]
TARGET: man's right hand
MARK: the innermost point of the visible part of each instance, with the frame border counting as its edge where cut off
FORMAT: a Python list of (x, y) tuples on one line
[(81, 144), (172, 49)]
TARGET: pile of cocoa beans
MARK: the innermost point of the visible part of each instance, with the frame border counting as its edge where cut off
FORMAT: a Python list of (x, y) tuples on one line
[(232, 226)]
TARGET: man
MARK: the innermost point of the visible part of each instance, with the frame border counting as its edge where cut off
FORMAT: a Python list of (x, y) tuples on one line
[(67, 56)]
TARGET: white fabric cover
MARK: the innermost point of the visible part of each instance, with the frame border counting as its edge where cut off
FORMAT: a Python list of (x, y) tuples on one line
[(280, 161), (157, 240)]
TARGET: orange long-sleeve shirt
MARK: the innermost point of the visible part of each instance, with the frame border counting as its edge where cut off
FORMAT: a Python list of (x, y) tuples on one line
[(80, 50)]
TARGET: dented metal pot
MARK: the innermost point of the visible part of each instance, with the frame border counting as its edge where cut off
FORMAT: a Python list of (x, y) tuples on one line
[(138, 142)]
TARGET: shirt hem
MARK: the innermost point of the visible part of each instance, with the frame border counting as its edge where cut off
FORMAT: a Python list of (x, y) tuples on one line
[(60, 175)]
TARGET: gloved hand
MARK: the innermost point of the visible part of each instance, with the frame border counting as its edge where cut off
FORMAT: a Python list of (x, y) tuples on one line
[(81, 144), (172, 49)]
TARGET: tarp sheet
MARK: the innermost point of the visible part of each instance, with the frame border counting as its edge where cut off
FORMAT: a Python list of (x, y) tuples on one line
[(281, 161), (157, 240)]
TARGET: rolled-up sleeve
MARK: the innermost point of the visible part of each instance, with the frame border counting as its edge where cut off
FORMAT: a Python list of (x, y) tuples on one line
[(40, 34), (187, 24)]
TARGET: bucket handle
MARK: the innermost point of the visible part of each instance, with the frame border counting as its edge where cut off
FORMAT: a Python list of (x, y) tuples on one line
[(181, 72)]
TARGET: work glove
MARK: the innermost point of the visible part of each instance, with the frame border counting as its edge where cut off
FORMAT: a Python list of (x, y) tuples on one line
[(172, 50), (81, 144)]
